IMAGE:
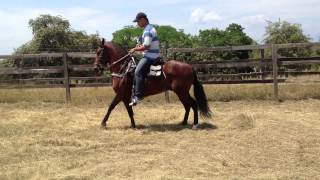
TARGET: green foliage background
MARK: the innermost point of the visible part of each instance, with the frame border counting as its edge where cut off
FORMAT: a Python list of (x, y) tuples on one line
[(54, 34)]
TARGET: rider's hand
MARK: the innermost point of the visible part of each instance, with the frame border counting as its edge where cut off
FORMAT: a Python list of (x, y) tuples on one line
[(131, 51)]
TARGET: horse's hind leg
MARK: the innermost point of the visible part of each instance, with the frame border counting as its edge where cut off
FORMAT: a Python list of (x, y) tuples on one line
[(130, 113), (195, 111), (113, 104), (191, 102), (188, 102), (186, 115), (187, 108)]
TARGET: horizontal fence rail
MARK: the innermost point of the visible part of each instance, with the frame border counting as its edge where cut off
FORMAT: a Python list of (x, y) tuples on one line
[(240, 48), (67, 74)]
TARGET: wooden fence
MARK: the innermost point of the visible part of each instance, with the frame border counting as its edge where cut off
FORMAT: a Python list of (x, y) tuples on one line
[(20, 75), (275, 61), (62, 81)]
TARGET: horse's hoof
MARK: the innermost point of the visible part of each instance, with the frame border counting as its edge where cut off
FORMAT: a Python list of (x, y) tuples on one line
[(103, 126), (194, 127), (184, 123), (133, 126)]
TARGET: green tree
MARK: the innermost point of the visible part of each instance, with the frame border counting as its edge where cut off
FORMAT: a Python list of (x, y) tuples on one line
[(233, 35), (283, 32), (127, 37), (54, 34), (168, 37)]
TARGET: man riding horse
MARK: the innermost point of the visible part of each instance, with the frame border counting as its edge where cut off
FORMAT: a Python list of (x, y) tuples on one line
[(151, 51), (175, 76)]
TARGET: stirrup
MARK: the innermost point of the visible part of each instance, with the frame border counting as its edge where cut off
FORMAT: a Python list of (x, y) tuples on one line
[(134, 101)]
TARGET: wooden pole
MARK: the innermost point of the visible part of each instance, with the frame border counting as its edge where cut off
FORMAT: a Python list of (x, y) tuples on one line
[(262, 67), (66, 77), (275, 71)]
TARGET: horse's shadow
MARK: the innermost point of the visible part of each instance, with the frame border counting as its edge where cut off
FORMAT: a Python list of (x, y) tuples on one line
[(174, 127)]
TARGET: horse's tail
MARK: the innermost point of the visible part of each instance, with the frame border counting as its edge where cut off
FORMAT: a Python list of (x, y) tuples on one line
[(201, 97)]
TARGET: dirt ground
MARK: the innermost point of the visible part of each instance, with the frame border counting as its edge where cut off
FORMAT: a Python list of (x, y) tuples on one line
[(243, 140)]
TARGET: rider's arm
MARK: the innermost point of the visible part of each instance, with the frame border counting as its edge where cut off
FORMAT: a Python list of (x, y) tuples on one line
[(145, 46), (141, 48)]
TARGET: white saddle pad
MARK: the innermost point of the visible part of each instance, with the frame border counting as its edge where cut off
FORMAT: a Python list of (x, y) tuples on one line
[(155, 70)]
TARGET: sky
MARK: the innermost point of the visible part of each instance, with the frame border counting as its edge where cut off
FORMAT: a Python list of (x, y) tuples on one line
[(106, 17)]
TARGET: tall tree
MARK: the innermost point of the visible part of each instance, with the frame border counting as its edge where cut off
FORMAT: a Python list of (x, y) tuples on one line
[(168, 36), (54, 34), (282, 32), (127, 37), (233, 35), (171, 37)]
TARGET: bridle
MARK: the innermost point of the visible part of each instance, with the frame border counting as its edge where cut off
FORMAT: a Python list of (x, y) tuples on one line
[(125, 68)]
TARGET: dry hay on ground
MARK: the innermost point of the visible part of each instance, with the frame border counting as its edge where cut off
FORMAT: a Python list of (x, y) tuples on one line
[(244, 140)]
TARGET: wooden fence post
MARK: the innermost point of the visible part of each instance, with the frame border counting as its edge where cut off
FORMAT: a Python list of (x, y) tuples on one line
[(66, 77), (275, 71), (166, 93), (262, 66)]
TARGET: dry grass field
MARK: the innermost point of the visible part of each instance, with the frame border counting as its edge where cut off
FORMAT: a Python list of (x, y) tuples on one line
[(42, 138), (291, 91)]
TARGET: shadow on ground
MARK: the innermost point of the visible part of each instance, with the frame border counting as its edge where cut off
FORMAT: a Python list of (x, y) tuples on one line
[(173, 127)]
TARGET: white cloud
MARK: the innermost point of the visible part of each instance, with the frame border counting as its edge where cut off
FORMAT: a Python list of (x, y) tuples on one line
[(200, 15), (79, 13), (182, 14), (92, 20), (254, 19), (253, 15), (15, 31)]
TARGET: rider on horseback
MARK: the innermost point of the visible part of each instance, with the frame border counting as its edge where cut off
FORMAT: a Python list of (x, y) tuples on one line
[(151, 51)]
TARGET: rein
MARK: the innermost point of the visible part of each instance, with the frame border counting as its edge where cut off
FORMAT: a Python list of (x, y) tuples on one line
[(127, 65), (118, 61)]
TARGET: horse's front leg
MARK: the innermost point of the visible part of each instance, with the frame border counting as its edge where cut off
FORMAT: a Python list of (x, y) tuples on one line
[(113, 104)]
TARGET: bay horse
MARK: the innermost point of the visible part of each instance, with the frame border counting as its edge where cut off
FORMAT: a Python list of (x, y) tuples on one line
[(177, 77)]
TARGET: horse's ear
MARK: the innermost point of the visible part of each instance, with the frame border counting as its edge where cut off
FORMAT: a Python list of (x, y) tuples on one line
[(102, 42)]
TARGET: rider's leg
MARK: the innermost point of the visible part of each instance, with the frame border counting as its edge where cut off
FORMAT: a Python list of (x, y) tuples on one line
[(140, 74)]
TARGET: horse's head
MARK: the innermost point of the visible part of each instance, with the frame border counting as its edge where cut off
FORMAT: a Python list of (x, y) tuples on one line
[(106, 55), (101, 59)]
